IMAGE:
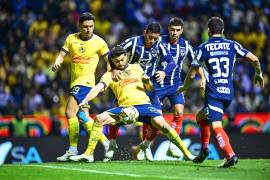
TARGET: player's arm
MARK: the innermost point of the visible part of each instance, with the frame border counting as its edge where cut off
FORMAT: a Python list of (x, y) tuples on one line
[(189, 78), (258, 71), (148, 85), (59, 60), (93, 93), (191, 57), (166, 56)]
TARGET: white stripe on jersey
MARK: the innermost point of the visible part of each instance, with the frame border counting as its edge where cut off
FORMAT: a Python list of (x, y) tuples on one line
[(215, 108), (206, 74), (199, 55), (238, 49), (128, 45), (163, 49), (133, 48), (177, 57)]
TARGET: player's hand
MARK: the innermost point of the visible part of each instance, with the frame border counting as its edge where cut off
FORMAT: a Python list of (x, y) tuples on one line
[(259, 79), (202, 86), (56, 67), (116, 75), (160, 75), (145, 79)]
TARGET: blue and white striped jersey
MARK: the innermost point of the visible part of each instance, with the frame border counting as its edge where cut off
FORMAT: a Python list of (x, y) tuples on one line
[(148, 58), (179, 51), (217, 57)]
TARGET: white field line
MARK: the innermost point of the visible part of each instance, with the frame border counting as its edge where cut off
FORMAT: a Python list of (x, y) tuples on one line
[(118, 173)]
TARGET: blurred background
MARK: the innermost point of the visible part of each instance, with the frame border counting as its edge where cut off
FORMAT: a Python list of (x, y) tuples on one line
[(32, 33)]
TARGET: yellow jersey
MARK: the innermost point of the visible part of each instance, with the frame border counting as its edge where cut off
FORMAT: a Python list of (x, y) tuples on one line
[(85, 56), (129, 90)]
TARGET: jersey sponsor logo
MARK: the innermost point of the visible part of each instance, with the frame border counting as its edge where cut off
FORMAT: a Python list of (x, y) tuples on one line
[(124, 82), (217, 46), (224, 90), (80, 60)]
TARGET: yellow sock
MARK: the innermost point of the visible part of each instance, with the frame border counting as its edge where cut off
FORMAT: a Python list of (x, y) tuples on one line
[(73, 131), (175, 139), (93, 139), (88, 126)]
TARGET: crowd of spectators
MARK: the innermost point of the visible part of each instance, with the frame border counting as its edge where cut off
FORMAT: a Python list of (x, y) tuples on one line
[(32, 33)]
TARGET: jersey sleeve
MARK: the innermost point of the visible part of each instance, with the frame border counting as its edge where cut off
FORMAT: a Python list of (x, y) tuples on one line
[(166, 55), (240, 51), (190, 53), (103, 48), (127, 44), (106, 79), (66, 45), (197, 61)]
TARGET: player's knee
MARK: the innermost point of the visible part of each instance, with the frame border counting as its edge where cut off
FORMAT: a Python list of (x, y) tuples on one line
[(70, 113), (101, 118), (178, 113), (160, 124)]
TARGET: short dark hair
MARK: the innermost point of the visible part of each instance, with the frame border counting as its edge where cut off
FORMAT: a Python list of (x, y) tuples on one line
[(153, 27), (86, 16), (176, 21), (215, 25), (117, 51)]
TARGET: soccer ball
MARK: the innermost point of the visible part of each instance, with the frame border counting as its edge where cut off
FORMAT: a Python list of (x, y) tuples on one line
[(129, 115)]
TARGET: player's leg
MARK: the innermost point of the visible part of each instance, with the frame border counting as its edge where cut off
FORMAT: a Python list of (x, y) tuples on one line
[(94, 137), (160, 123), (216, 108), (73, 129), (87, 122), (79, 93), (149, 132), (201, 119), (113, 132), (178, 110)]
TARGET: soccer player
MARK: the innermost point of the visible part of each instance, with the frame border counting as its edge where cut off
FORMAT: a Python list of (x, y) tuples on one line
[(85, 50), (133, 82), (217, 57), (148, 52), (180, 49)]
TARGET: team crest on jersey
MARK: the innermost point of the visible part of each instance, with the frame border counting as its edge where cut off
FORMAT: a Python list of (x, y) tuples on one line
[(81, 49), (182, 51), (154, 52), (126, 73)]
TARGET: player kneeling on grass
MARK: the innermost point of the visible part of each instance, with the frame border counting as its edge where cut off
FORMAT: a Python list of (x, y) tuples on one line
[(131, 97)]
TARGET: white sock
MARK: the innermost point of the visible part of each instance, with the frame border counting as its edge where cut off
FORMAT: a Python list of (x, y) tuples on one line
[(73, 149)]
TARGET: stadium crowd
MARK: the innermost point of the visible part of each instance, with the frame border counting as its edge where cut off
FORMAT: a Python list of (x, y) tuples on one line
[(32, 33)]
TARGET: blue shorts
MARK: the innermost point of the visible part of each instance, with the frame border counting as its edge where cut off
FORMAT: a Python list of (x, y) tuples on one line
[(215, 108), (154, 99), (170, 92), (146, 112), (79, 92)]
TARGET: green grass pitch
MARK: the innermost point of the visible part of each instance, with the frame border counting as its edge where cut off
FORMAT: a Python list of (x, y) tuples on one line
[(126, 170)]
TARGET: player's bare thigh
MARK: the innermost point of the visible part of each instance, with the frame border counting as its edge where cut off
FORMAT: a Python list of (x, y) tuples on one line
[(72, 107), (160, 123), (104, 118)]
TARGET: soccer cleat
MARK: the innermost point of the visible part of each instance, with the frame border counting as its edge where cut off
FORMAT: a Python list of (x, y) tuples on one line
[(66, 156), (201, 156), (141, 154), (171, 152), (82, 157), (148, 154), (228, 163), (109, 151)]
